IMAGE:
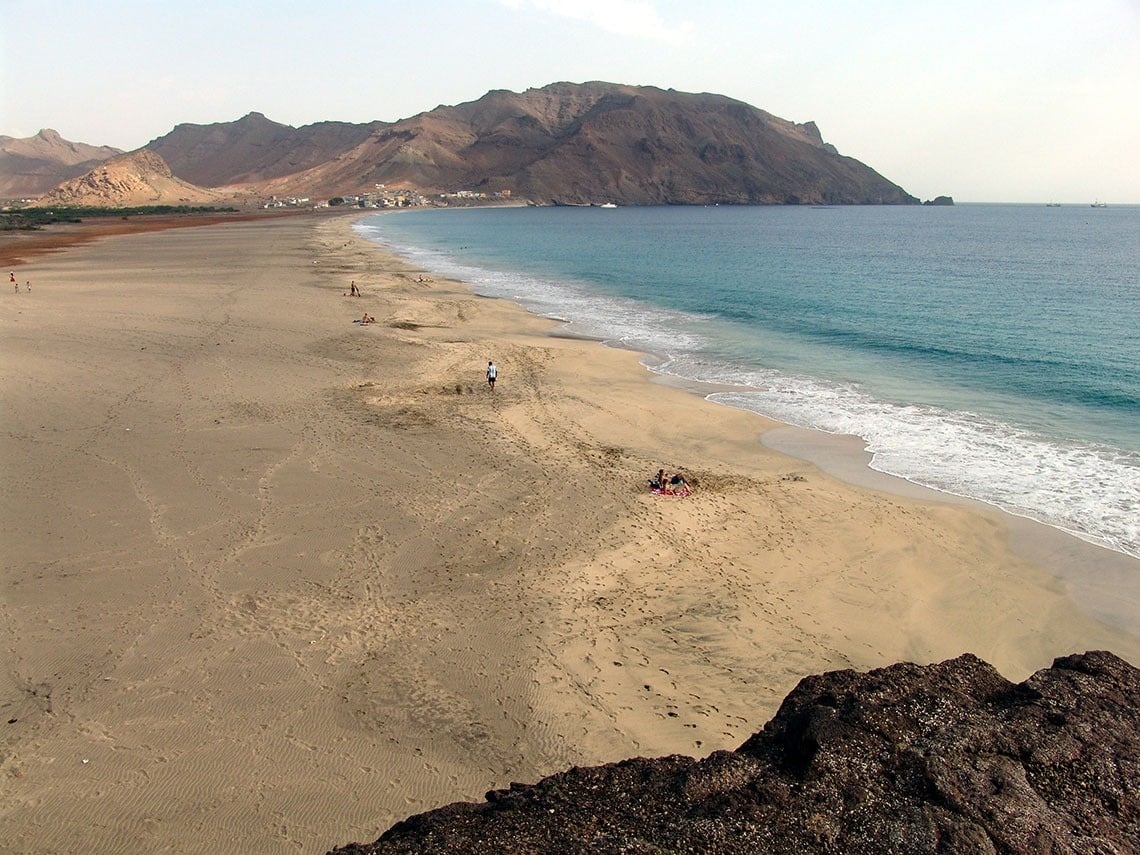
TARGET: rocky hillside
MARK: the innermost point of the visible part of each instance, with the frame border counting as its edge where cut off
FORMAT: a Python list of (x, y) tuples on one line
[(254, 149), (34, 165), (565, 143), (581, 143), (138, 178), (942, 758)]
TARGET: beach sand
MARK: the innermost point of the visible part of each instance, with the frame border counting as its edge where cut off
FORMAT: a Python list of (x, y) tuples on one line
[(273, 581)]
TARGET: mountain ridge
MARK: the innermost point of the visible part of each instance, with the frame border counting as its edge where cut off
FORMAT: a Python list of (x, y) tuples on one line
[(563, 143), (34, 165)]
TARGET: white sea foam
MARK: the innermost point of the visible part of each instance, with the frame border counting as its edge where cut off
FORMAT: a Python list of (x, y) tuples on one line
[(1090, 491)]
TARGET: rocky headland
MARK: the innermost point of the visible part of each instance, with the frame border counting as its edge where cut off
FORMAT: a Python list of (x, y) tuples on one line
[(950, 757)]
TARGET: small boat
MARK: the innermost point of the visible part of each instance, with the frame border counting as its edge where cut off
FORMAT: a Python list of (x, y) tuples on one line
[(1098, 204), (607, 205), (1052, 204)]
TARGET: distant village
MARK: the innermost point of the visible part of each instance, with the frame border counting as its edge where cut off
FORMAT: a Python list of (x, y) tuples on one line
[(382, 197)]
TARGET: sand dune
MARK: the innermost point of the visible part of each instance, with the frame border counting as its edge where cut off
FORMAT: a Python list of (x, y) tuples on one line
[(274, 580)]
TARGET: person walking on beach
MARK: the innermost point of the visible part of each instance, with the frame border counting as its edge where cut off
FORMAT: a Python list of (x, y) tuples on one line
[(355, 292), (492, 374)]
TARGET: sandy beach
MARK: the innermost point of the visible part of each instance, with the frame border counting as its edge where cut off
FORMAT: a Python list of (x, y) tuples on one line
[(274, 580)]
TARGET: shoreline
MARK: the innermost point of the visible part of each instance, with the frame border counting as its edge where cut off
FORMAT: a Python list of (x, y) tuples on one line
[(277, 580), (1042, 461), (1061, 551), (1111, 592), (1056, 549), (844, 456)]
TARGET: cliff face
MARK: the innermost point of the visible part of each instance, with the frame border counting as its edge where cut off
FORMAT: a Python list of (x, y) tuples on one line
[(943, 758)]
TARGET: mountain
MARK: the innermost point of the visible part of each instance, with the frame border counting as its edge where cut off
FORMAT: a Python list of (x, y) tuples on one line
[(580, 143), (137, 178), (565, 143), (948, 757), (33, 165), (253, 149)]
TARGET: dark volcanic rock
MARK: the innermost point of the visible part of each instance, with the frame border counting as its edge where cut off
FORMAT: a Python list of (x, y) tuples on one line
[(940, 200), (941, 758)]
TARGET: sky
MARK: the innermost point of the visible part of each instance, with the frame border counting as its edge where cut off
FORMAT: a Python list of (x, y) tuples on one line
[(982, 100)]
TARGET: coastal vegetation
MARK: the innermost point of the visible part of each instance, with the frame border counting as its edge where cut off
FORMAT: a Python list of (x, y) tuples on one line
[(30, 219)]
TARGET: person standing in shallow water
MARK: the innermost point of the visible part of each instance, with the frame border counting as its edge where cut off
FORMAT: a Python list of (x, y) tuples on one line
[(492, 374)]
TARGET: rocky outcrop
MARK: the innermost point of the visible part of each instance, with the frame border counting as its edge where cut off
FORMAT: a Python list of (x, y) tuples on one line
[(941, 758), (940, 200), (34, 165), (138, 178)]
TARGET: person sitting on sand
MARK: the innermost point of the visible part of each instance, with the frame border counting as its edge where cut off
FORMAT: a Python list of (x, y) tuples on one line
[(367, 319), (667, 485)]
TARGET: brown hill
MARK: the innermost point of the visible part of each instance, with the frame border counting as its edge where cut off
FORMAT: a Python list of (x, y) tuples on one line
[(253, 149), (566, 143), (636, 145), (33, 165), (137, 178)]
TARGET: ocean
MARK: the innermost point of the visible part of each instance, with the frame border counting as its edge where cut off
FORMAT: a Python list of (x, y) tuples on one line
[(988, 351)]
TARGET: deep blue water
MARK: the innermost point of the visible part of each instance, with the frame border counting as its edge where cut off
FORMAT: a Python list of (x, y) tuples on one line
[(990, 351)]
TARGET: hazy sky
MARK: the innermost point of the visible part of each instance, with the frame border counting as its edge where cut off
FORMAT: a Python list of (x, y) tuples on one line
[(994, 100)]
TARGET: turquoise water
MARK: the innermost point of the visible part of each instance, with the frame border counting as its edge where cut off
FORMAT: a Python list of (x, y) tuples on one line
[(984, 350)]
